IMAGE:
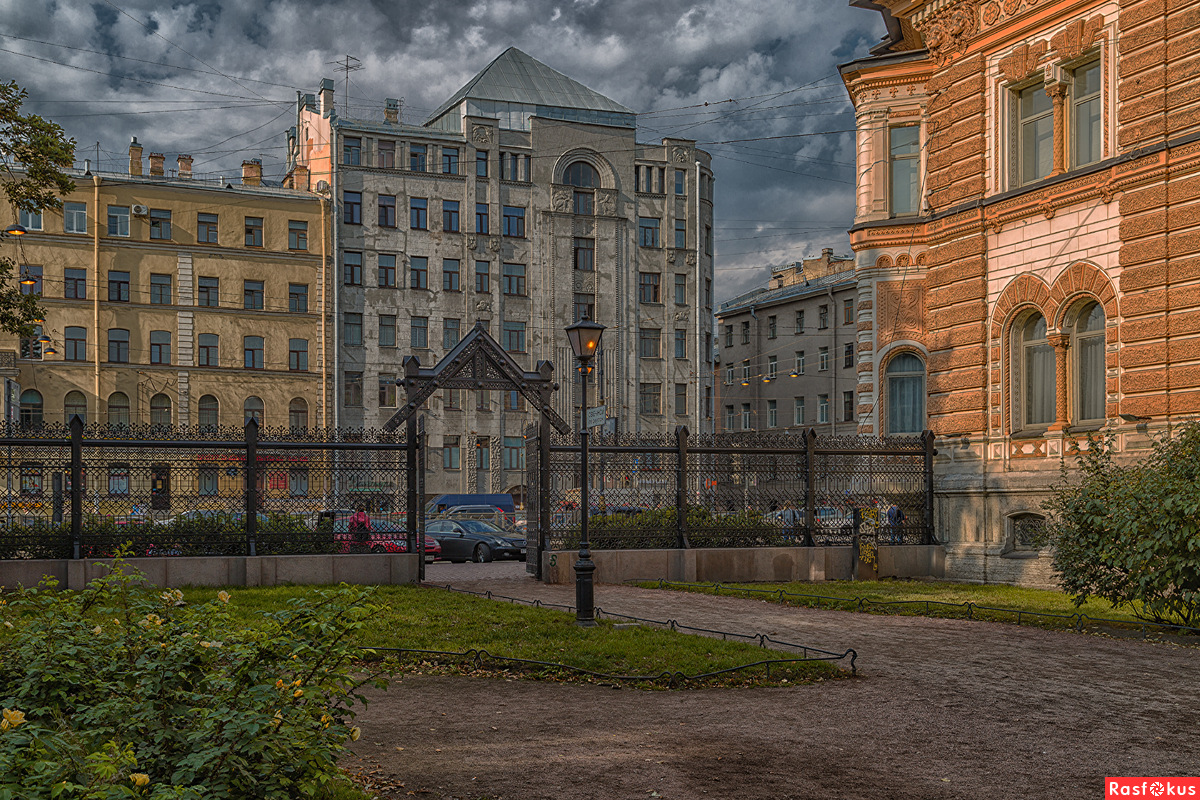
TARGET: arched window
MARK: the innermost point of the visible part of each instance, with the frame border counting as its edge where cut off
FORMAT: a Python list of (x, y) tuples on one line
[(253, 409), (160, 410), (74, 403), (905, 394), (118, 410), (31, 408), (1088, 348), (584, 178), (1026, 531), (1033, 404), (209, 410), (298, 414)]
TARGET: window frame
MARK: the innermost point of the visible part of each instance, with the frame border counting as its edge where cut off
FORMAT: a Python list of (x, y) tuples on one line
[(254, 232), (254, 350)]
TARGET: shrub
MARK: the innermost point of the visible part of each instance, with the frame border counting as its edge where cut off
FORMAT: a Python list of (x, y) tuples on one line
[(1130, 534), (125, 691)]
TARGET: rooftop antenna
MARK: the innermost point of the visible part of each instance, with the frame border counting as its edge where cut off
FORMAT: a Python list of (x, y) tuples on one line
[(347, 65)]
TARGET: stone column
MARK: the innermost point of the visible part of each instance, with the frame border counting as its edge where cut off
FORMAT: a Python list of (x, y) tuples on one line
[(1058, 97), (1060, 342)]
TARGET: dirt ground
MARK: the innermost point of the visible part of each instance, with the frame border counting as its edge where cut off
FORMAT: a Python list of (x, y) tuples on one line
[(941, 709)]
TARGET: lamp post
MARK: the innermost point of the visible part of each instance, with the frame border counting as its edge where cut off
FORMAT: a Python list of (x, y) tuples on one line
[(584, 337)]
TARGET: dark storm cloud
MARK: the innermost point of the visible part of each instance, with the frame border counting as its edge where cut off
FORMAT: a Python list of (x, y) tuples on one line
[(218, 80)]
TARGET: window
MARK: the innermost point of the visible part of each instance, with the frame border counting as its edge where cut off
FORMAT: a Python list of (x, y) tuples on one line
[(210, 345), (1085, 115), (680, 343), (74, 217), (772, 367), (483, 453), (905, 377), (418, 210), (209, 411), (387, 390), (118, 220), (33, 273), (1037, 371), (483, 400), (30, 220), (648, 231), (450, 274), (847, 311), (729, 336), (252, 409), (648, 289), (680, 290), (352, 150), (772, 327), (31, 479), (799, 362), (514, 401), (387, 154), (351, 208), (160, 223), (746, 371), (583, 202), (481, 163), (160, 347), (118, 410), (208, 292), (31, 409), (483, 281), (298, 476), (584, 250), (352, 329), (513, 337), (514, 279), (514, 222), (680, 234), (514, 453), (209, 480), (450, 452), (746, 420), (650, 342), (1035, 134), (799, 322), (254, 232), (822, 408), (298, 355), (298, 298), (416, 157), (848, 406), (352, 389), (730, 418), (650, 398), (387, 211), (681, 399), (450, 160), (118, 479), (419, 332), (585, 306), (904, 168), (387, 330), (452, 399), (772, 413), (118, 346), (729, 375), (74, 405), (387, 271), (1088, 350), (206, 228), (822, 317), (481, 218), (418, 272), (746, 332), (160, 410), (708, 247), (798, 411), (75, 284), (848, 356), (680, 181), (252, 295), (252, 352), (450, 216), (823, 359), (160, 289), (118, 286), (450, 336), (75, 340), (1027, 532)]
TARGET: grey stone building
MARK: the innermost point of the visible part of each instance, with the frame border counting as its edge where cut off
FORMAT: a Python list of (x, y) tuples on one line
[(524, 201), (787, 351)]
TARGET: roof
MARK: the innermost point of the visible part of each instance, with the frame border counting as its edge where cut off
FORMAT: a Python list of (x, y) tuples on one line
[(761, 297), (515, 77)]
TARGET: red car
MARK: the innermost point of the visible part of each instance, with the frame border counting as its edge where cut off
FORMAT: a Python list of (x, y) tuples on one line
[(383, 542)]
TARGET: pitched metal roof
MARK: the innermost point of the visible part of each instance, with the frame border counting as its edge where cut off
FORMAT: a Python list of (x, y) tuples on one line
[(515, 77)]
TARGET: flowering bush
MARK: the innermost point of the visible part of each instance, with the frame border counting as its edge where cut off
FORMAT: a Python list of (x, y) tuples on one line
[(126, 691)]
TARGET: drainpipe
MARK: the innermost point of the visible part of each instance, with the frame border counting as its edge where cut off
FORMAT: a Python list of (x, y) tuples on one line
[(321, 333), (833, 353), (337, 295), (755, 380), (700, 354), (96, 291)]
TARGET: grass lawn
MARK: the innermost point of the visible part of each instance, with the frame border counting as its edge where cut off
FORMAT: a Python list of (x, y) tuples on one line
[(436, 619)]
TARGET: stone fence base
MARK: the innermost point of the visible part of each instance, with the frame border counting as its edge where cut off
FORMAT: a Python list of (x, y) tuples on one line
[(178, 571), (746, 564)]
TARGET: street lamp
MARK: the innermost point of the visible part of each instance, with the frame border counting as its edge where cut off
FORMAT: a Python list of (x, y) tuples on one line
[(584, 337)]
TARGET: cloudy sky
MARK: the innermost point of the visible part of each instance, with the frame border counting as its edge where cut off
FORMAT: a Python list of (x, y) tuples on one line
[(218, 79)]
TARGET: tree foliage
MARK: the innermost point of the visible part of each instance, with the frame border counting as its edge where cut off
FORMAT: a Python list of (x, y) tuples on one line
[(1130, 533)]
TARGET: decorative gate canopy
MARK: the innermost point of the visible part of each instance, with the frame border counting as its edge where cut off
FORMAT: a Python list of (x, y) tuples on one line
[(478, 362)]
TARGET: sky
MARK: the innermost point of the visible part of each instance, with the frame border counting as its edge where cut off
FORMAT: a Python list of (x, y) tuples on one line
[(218, 79)]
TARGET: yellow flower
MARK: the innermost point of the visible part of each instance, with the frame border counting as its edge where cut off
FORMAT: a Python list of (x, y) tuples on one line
[(11, 718), (355, 732), (210, 644), (168, 596), (223, 596), (7, 624), (279, 683), (297, 682), (151, 620), (139, 779), (97, 630), (297, 693)]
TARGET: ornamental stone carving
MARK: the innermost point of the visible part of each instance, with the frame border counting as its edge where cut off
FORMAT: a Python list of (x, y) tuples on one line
[(680, 154), (606, 201), (670, 256), (681, 315), (1024, 59), (481, 134), (483, 305), (950, 30), (1074, 40), (585, 282), (561, 199), (691, 259), (901, 311), (494, 244), (472, 242)]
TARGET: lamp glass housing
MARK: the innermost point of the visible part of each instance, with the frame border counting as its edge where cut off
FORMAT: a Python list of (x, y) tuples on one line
[(584, 337)]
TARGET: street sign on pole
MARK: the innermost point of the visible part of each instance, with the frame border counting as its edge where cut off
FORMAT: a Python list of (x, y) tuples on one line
[(595, 416)]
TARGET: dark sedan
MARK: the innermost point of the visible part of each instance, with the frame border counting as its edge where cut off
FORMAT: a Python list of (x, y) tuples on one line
[(475, 540)]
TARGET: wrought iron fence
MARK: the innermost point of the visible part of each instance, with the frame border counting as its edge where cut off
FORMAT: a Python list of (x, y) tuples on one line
[(76, 491), (735, 490)]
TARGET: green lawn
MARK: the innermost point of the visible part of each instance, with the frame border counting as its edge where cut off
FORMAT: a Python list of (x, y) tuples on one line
[(436, 619)]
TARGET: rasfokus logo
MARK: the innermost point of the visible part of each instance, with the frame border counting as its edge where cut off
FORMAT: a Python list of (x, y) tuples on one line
[(1152, 787)]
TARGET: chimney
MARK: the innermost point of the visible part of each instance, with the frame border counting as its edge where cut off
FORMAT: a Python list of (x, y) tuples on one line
[(185, 166), (300, 178), (827, 254), (326, 94), (135, 157), (252, 172), (391, 110), (156, 164)]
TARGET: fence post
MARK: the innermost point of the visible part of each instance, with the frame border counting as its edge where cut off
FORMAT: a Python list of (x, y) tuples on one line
[(855, 527), (810, 486), (929, 454), (419, 528), (681, 437), (410, 443), (76, 486), (251, 486), (543, 489)]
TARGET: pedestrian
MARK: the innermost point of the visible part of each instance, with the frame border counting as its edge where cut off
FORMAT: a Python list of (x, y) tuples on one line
[(895, 522), (360, 525)]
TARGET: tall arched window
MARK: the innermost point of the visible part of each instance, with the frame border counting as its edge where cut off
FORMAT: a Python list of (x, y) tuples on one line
[(74, 403), (1036, 381), (253, 409), (298, 414), (905, 394), (160, 410), (584, 178), (1088, 348), (209, 409), (31, 408), (118, 410)]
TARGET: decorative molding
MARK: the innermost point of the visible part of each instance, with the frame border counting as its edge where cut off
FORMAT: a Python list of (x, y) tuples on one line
[(950, 29), (1077, 38), (670, 256), (561, 200), (680, 155), (606, 202), (901, 312), (481, 134), (1023, 61), (691, 258), (472, 241)]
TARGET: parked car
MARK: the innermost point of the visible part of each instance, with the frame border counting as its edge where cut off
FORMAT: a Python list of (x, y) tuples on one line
[(493, 514), (470, 539), (384, 536)]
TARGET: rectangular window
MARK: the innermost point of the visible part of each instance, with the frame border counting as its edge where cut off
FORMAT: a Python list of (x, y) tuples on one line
[(160, 223), (450, 216), (772, 327), (729, 375), (799, 362), (680, 399), (822, 317), (352, 389), (585, 304), (584, 254), (419, 332), (650, 398), (418, 272), (453, 398), (514, 401), (118, 286), (450, 335), (680, 181), (708, 244), (481, 218), (450, 274), (118, 479), (823, 359), (450, 160), (680, 234), (730, 418), (252, 352), (387, 154), (583, 202), (514, 453), (387, 271), (648, 287), (254, 232), (31, 348), (848, 406), (848, 355), (513, 337), (298, 355), (387, 330), (649, 342), (208, 292), (206, 228), (209, 482), (416, 157), (483, 276), (160, 290), (708, 402), (483, 400), (297, 234), (481, 163), (210, 346), (298, 298), (799, 322), (352, 329), (798, 411), (34, 273), (118, 346), (822, 408), (772, 367), (387, 211), (746, 421), (352, 208), (387, 390), (1035, 134), (680, 343), (1085, 115), (298, 482), (680, 290), (418, 211), (746, 332), (30, 220), (118, 220), (772, 413), (904, 180), (74, 217), (514, 279), (450, 452), (352, 151), (648, 231), (514, 222), (729, 336), (847, 311), (252, 295), (483, 453), (75, 340)]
